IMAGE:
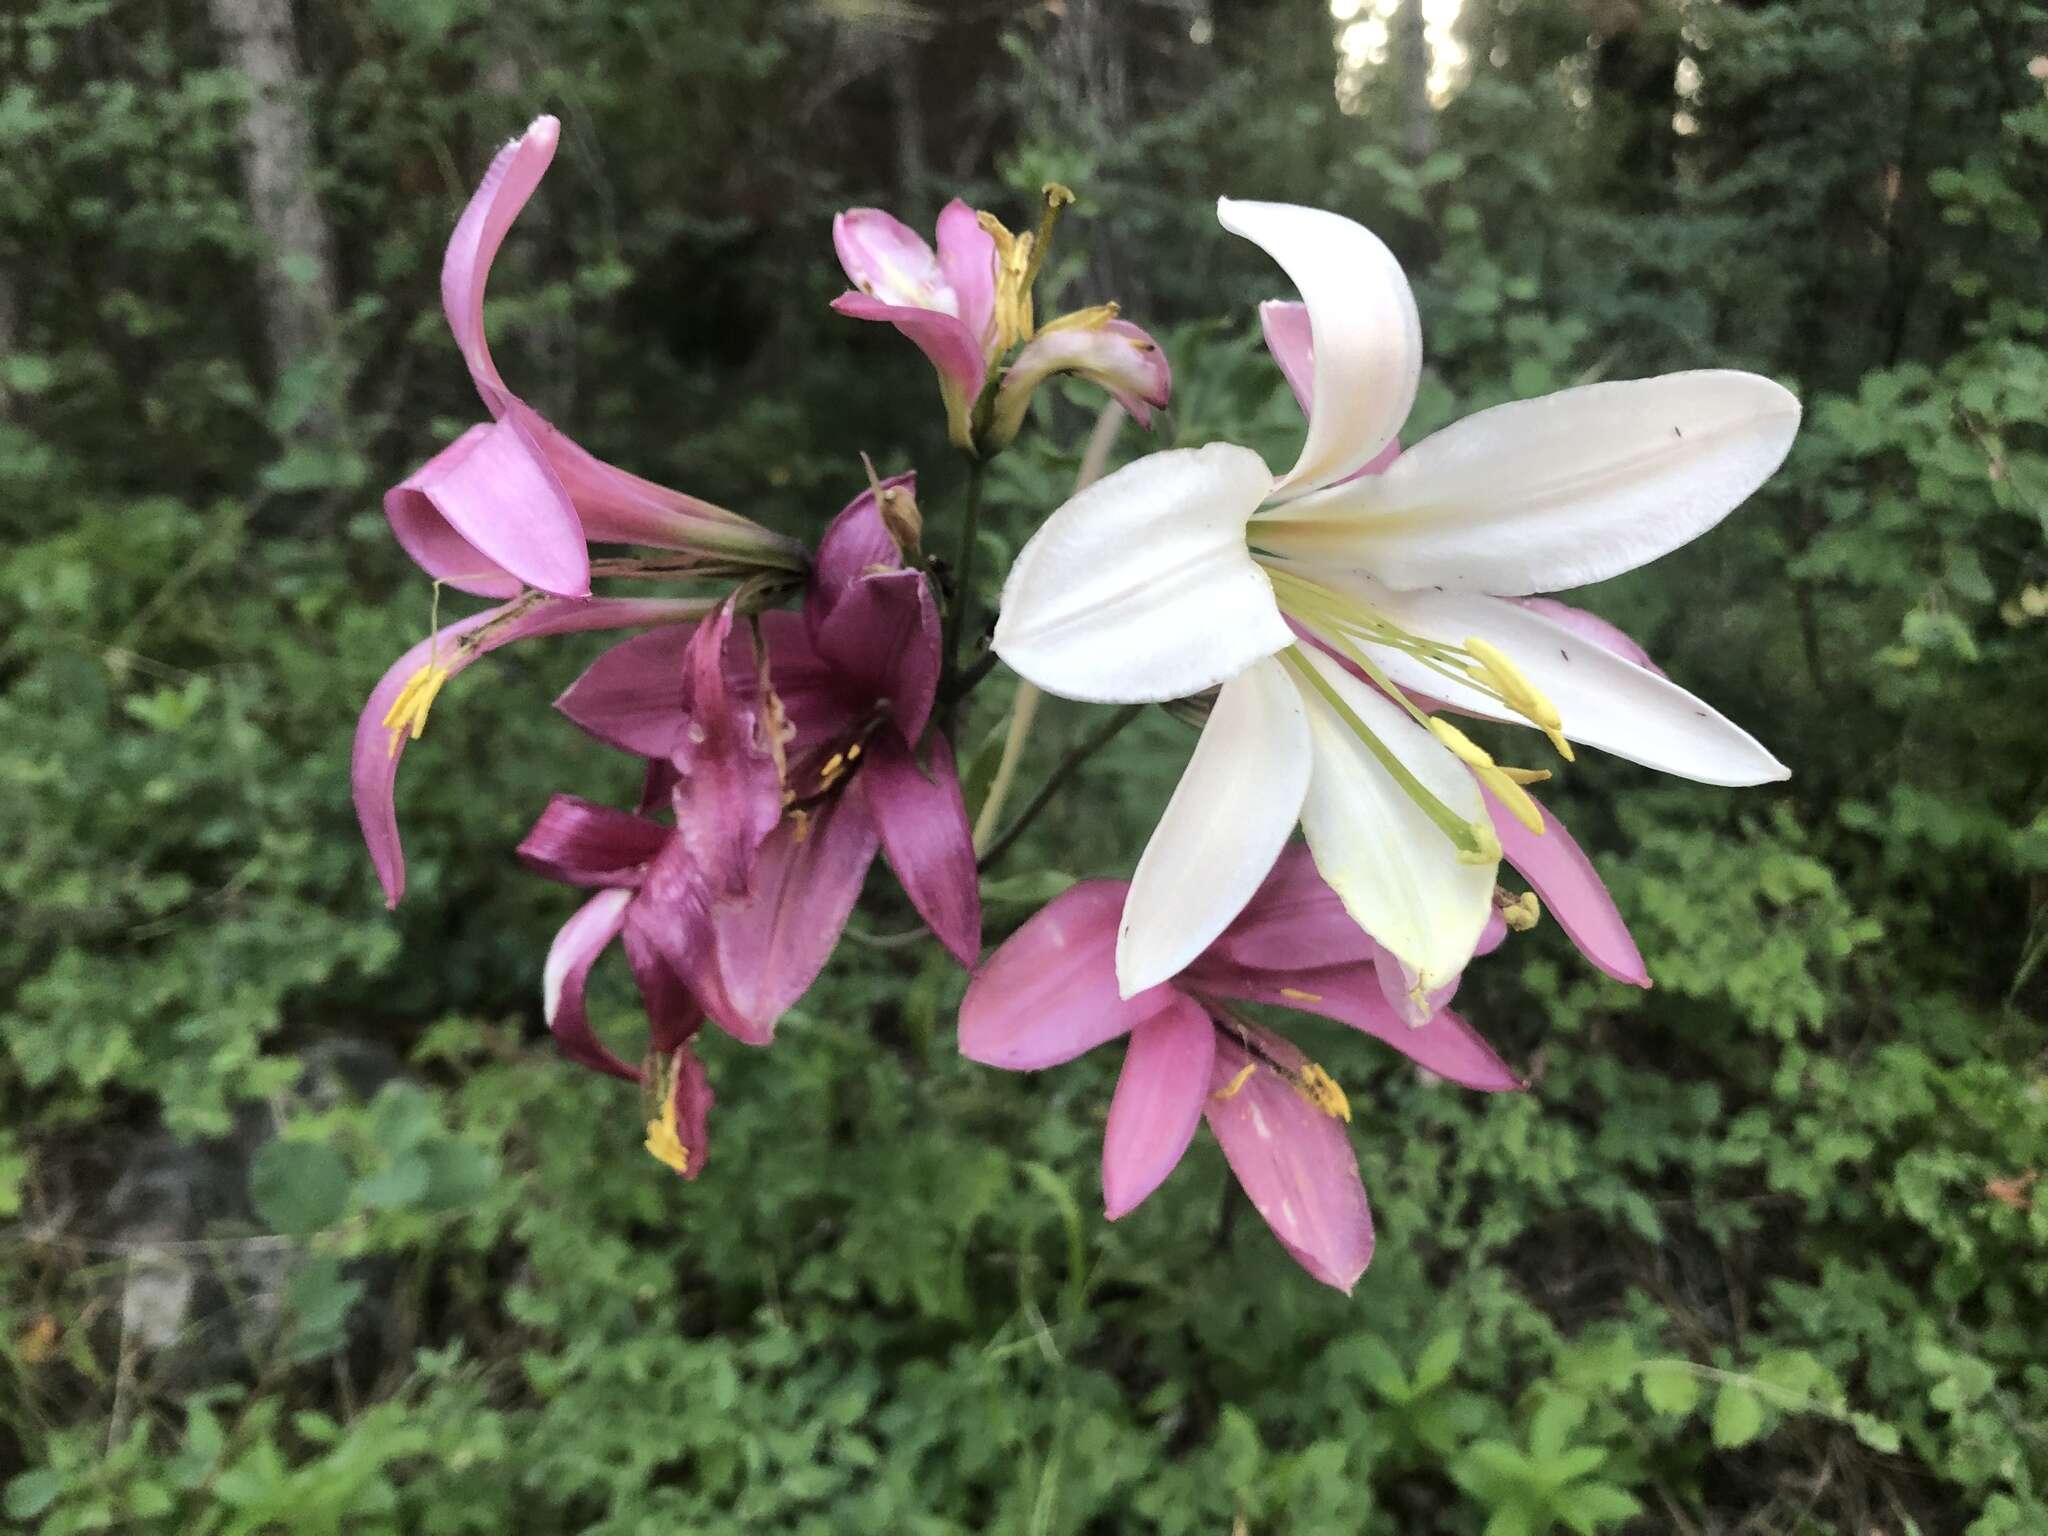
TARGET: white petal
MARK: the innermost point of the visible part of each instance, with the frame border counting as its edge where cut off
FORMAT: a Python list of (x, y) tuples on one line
[(1604, 700), (1228, 819), (1556, 492), (1142, 587), (1367, 335), (1396, 871)]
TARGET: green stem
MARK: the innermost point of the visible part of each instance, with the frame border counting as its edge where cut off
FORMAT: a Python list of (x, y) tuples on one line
[(1056, 781), (963, 568)]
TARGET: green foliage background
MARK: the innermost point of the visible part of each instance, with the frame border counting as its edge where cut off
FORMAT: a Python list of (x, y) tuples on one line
[(1760, 1251)]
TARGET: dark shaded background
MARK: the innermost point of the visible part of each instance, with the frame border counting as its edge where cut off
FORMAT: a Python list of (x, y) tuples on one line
[(308, 1230)]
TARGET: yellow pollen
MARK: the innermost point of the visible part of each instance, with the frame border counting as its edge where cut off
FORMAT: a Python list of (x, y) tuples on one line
[(1014, 271), (1522, 913), (1487, 844), (853, 753), (1235, 1086), (407, 715), (1300, 996), (1321, 1090), (664, 1138), (1521, 695), (833, 765), (803, 825)]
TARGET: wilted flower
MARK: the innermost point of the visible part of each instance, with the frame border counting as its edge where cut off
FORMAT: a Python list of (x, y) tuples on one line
[(512, 503), (1195, 568)]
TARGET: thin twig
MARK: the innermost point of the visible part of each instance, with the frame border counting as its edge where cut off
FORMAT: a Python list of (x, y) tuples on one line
[(1057, 780)]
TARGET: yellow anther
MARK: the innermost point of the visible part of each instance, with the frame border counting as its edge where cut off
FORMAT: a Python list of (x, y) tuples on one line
[(1321, 1090), (1235, 1086), (1520, 913), (1486, 844), (803, 825), (833, 766), (1463, 747), (1505, 788), (853, 753), (1521, 695), (1093, 318), (1295, 994), (1014, 271), (664, 1138), (407, 715), (1528, 775), (1057, 199)]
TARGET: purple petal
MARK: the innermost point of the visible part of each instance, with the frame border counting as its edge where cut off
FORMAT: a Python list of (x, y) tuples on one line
[(373, 762), (952, 349), (967, 258), (1049, 993), (1294, 921), (1590, 626), (730, 794), (1159, 1099), (1571, 891), (1293, 1160), (690, 1091), (1493, 935), (487, 515), (580, 842), (1116, 356), (576, 948), (856, 544), (883, 639), (886, 258), (1351, 994), (670, 940), (774, 942), (926, 836), (673, 1013), (466, 267), (632, 696)]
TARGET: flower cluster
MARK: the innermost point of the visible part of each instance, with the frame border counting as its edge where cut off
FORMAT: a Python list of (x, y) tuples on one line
[(795, 721)]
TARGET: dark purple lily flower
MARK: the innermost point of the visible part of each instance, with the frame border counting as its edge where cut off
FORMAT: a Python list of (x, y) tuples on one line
[(793, 760), (1050, 993)]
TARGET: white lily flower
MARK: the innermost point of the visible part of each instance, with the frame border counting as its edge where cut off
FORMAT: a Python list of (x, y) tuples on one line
[(1196, 568)]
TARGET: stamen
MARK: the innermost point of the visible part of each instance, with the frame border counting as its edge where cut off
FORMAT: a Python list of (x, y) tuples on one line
[(664, 1136), (1057, 199), (1295, 994), (1522, 696), (1489, 773), (1235, 1086), (1321, 1090), (407, 715), (1520, 913)]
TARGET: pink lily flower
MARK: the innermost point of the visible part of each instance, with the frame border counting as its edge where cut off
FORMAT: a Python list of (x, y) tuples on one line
[(968, 303), (396, 711), (1050, 993), (793, 766), (1557, 869), (512, 502)]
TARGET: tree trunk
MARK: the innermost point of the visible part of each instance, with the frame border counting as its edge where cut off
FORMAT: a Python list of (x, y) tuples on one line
[(277, 153), (1418, 115)]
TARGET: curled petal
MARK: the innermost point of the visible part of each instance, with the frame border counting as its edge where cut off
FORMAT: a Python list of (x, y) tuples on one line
[(1158, 1103), (1367, 355), (673, 1013), (1292, 1159), (1571, 891), (1115, 355), (1141, 587), (1546, 494), (580, 842), (883, 642), (856, 543), (488, 515), (952, 350), (466, 266), (1229, 817), (575, 950), (888, 260), (1293, 347), (373, 761), (922, 818), (967, 260), (1049, 992)]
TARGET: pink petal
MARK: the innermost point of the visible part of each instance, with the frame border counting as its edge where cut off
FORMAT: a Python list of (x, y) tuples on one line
[(466, 267), (632, 696), (1571, 891), (1590, 626), (774, 942), (950, 346), (673, 1013), (883, 639), (618, 507), (1159, 1099), (487, 515), (729, 797), (1398, 986), (1116, 356), (855, 544), (575, 950), (1294, 1161), (1493, 936), (1294, 921), (926, 836), (670, 942), (1351, 994), (580, 842), (967, 257), (1049, 993), (373, 764), (888, 260)]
